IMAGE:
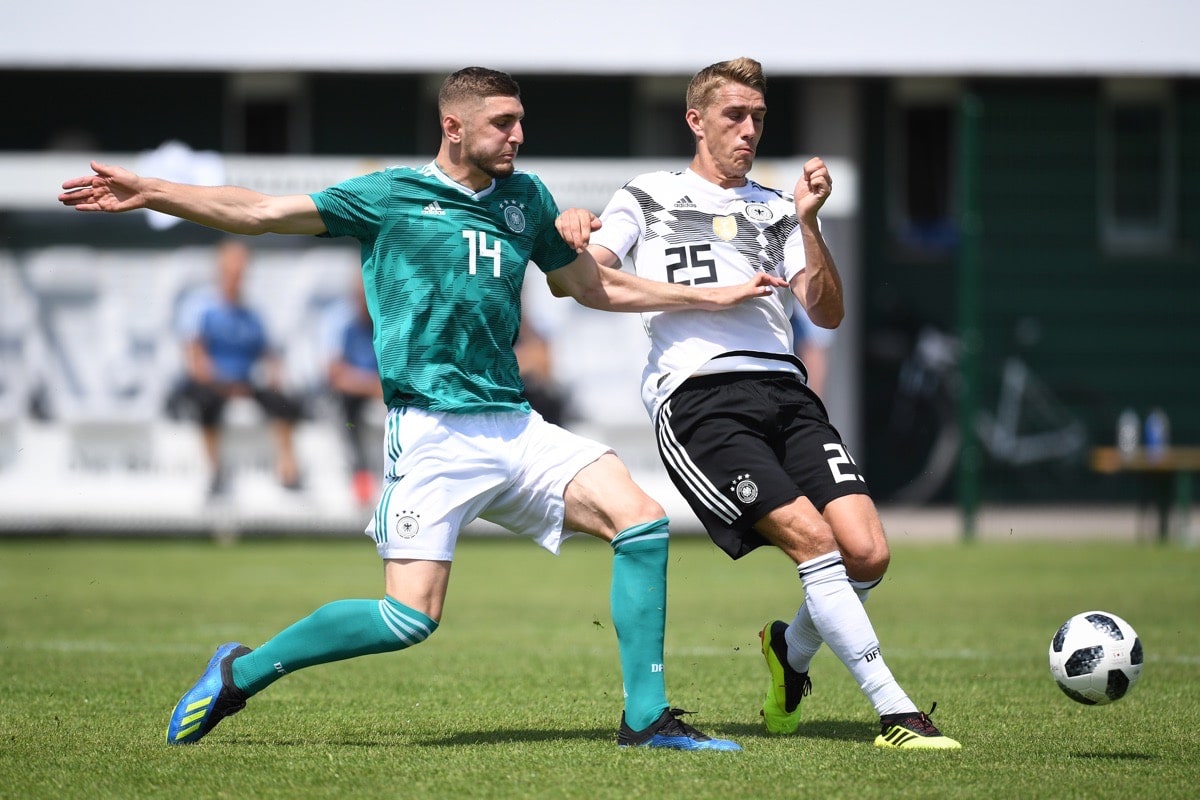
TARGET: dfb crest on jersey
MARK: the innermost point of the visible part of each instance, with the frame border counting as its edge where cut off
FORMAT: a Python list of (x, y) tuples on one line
[(725, 227), (759, 212), (514, 217)]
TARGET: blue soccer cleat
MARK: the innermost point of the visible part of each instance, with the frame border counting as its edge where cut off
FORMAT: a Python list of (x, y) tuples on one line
[(213, 698), (672, 733)]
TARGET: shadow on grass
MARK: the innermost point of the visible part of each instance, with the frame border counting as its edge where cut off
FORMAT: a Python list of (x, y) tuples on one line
[(387, 739), (510, 735), (837, 730), (1117, 756), (841, 730)]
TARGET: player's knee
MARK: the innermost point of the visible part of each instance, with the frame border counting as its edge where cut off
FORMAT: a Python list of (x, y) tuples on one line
[(637, 509), (798, 530), (645, 508), (604, 500), (805, 542), (860, 537), (868, 561), (627, 503)]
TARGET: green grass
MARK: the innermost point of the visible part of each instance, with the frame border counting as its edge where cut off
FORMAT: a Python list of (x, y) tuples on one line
[(518, 693)]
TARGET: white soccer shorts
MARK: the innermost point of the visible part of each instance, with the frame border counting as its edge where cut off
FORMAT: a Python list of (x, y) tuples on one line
[(442, 471)]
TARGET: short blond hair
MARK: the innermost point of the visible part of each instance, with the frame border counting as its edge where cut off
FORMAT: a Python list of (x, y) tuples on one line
[(705, 83)]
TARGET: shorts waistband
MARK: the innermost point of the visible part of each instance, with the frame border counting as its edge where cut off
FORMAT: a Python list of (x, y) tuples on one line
[(716, 379)]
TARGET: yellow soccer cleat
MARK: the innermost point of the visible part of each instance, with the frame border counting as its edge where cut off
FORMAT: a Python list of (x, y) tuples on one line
[(913, 731), (781, 707)]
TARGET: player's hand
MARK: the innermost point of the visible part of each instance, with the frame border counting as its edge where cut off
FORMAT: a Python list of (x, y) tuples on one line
[(575, 226), (812, 190), (110, 189), (761, 285)]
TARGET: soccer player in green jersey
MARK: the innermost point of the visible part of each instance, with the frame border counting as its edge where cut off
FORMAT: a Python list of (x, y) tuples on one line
[(444, 252)]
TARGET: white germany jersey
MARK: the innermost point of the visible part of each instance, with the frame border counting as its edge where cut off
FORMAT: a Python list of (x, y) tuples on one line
[(677, 227)]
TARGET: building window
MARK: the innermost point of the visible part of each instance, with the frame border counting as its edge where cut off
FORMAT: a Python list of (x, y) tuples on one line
[(659, 126), (1138, 159), (269, 114), (923, 201)]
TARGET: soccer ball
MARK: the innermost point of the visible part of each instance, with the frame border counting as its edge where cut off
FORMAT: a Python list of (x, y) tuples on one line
[(1095, 658)]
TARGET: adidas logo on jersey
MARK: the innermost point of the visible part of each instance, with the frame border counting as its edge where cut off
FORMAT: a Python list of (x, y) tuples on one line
[(684, 202), (433, 208)]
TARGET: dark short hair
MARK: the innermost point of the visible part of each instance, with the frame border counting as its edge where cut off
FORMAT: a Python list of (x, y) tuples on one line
[(475, 83), (744, 71)]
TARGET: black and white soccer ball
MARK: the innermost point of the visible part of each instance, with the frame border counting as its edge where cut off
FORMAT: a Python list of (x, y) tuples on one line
[(1095, 658)]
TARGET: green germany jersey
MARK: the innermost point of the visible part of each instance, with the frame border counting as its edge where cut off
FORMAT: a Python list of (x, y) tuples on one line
[(443, 268)]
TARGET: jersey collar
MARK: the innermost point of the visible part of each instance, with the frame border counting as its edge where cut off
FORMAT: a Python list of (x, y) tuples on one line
[(436, 171), (701, 181)]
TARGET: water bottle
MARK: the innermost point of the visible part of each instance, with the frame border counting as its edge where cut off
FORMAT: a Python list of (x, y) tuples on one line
[(1157, 434), (1128, 434)]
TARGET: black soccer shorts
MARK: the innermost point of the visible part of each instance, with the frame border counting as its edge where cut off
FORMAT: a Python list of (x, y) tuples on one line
[(738, 445)]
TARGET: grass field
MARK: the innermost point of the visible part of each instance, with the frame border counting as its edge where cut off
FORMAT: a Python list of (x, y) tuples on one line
[(518, 694)]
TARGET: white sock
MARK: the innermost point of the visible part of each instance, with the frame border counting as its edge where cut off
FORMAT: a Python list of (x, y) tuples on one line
[(803, 640), (841, 621)]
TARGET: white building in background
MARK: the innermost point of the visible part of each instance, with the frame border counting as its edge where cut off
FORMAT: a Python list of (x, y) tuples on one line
[(857, 37), (109, 445)]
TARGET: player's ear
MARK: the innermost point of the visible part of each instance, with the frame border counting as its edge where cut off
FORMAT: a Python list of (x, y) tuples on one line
[(452, 128)]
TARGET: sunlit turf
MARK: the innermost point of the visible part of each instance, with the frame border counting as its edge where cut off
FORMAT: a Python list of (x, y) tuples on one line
[(518, 694)]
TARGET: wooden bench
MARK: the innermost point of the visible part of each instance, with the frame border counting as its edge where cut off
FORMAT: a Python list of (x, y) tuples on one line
[(1168, 472)]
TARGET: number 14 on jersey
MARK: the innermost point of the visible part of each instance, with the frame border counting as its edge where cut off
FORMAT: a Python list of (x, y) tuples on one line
[(477, 242)]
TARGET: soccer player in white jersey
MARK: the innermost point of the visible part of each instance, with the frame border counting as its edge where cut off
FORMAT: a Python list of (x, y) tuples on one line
[(743, 437), (445, 248)]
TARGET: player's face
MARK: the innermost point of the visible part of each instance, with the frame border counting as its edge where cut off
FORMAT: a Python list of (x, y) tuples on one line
[(732, 125), (492, 135)]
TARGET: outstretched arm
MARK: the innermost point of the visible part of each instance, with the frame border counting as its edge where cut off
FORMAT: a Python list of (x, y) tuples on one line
[(227, 208), (818, 286), (591, 283), (613, 290)]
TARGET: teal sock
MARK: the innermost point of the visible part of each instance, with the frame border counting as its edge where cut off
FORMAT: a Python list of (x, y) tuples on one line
[(639, 612), (334, 632)]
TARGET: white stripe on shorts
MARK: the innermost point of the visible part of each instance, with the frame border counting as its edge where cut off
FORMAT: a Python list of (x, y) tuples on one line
[(703, 489), (381, 510), (392, 448)]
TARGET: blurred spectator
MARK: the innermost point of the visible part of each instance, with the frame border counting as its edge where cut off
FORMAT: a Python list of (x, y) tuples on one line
[(537, 373), (812, 344), (540, 320), (353, 374), (227, 354)]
